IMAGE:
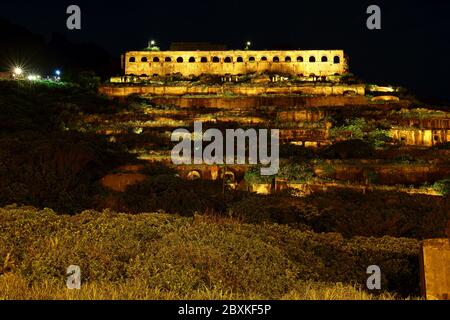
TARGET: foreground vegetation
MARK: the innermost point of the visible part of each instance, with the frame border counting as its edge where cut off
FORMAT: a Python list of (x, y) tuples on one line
[(162, 256)]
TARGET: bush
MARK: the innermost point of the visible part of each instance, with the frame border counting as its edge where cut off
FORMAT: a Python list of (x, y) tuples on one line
[(442, 186), (181, 256), (301, 172), (253, 176), (175, 195), (359, 129), (59, 171)]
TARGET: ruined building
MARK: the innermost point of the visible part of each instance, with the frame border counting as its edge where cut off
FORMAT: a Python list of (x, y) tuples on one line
[(303, 63)]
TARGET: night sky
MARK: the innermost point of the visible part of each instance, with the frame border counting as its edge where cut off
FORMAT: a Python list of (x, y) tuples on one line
[(412, 49)]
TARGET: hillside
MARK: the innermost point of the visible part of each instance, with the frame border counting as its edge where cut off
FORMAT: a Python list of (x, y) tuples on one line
[(160, 256), (360, 183)]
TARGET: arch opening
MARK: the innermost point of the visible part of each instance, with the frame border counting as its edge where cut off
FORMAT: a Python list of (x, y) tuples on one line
[(191, 59), (215, 59), (276, 59), (194, 175), (155, 59), (300, 59), (229, 176), (312, 59), (168, 59), (287, 59), (179, 59)]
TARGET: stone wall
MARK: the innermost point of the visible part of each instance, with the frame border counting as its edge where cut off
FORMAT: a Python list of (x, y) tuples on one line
[(161, 90), (420, 137), (194, 63)]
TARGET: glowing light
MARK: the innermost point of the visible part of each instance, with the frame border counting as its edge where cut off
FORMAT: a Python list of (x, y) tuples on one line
[(58, 72), (152, 42), (18, 71), (33, 77), (249, 43)]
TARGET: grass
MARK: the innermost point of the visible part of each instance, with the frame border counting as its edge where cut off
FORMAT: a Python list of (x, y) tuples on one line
[(160, 256), (15, 287)]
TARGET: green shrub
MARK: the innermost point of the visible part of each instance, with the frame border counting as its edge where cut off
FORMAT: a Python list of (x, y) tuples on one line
[(253, 176), (442, 186), (301, 172), (360, 129)]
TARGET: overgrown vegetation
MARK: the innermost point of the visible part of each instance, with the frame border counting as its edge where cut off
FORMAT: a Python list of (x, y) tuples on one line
[(204, 240), (442, 186), (167, 256), (360, 129)]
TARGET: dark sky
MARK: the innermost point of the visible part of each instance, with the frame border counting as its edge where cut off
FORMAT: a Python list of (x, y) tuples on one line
[(412, 49)]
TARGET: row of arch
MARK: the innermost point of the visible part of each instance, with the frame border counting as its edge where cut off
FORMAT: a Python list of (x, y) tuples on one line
[(312, 59), (311, 75)]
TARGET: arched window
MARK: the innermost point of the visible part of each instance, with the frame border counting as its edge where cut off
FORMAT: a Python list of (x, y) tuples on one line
[(312, 59), (215, 59), (263, 58), (324, 59), (227, 60), (239, 59), (336, 59), (168, 59), (287, 59), (179, 59), (144, 59), (276, 59), (251, 59), (155, 59), (203, 59), (191, 59), (300, 59), (132, 59)]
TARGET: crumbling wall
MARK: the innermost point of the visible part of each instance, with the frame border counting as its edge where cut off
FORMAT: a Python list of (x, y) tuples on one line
[(294, 62), (159, 90)]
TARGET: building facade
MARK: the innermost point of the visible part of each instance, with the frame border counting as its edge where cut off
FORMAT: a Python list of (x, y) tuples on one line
[(304, 63)]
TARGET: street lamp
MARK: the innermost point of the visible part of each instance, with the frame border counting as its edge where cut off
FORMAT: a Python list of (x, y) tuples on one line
[(248, 45)]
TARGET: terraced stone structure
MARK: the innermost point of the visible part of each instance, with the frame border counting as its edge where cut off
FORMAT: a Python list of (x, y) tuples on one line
[(303, 63)]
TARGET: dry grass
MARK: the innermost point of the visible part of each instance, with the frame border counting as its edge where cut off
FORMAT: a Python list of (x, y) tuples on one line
[(15, 287)]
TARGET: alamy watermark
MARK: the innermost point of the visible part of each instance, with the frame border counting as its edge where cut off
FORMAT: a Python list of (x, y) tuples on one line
[(241, 147), (73, 22), (73, 277), (374, 20), (374, 280)]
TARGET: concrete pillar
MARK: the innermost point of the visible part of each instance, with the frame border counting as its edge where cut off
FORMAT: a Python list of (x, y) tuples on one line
[(435, 269)]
